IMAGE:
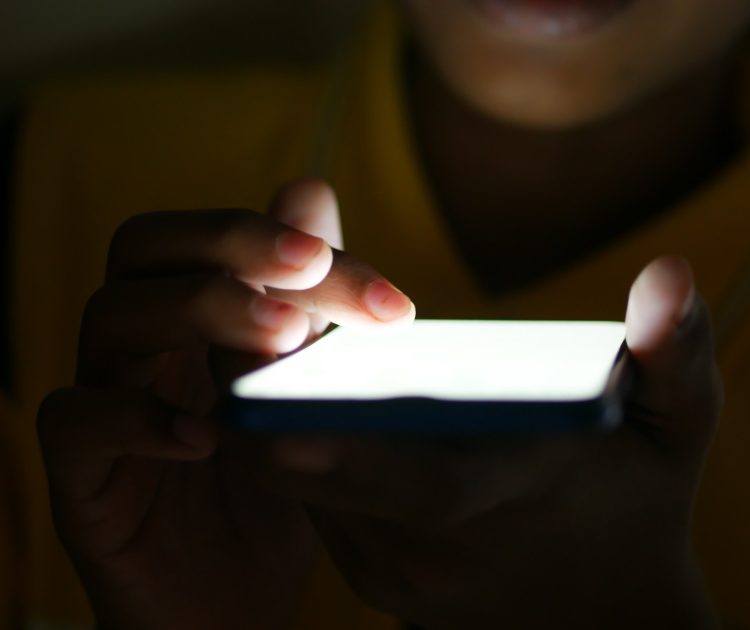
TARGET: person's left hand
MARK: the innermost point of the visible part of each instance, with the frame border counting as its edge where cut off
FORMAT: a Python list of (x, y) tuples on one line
[(584, 531)]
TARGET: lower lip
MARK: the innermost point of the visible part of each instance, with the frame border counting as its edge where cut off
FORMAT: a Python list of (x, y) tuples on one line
[(551, 19)]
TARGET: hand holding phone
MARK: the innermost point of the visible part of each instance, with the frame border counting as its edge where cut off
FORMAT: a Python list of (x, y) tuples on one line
[(585, 529), (131, 451)]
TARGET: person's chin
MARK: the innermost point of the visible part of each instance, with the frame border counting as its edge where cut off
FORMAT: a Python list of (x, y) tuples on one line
[(553, 106)]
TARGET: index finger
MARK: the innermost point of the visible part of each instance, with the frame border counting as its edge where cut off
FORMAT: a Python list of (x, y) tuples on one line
[(354, 294)]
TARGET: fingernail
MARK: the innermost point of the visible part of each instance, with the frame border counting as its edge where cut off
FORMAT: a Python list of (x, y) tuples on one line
[(297, 249), (652, 309), (687, 307), (194, 432), (270, 313), (687, 314), (385, 301)]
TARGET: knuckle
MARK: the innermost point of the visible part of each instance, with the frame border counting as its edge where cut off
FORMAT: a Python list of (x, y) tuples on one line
[(347, 268), (346, 281)]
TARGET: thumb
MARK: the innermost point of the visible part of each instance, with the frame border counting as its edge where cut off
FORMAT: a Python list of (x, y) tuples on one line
[(668, 332), (309, 205)]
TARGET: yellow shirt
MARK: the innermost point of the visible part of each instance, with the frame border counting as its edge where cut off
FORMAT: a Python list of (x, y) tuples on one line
[(97, 152)]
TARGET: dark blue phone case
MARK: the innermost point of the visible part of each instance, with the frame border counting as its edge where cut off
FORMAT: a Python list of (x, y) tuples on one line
[(429, 416)]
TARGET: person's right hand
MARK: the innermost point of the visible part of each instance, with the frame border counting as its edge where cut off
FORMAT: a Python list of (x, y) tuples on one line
[(162, 529)]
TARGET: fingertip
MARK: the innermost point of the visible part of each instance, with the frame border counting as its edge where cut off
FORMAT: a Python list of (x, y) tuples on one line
[(295, 333), (398, 324), (391, 310), (381, 311), (272, 314), (297, 249), (386, 303), (306, 259), (285, 325), (661, 300)]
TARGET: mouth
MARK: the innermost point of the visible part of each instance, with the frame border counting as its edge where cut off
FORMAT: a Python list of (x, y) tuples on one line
[(551, 19)]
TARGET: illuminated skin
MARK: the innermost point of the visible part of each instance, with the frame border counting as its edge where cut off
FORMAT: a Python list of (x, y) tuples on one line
[(586, 532), (171, 524), (544, 80)]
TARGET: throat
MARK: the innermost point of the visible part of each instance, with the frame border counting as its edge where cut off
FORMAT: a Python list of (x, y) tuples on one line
[(533, 201)]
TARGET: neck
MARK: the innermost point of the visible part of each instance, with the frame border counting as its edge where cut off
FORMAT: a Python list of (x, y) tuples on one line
[(570, 191)]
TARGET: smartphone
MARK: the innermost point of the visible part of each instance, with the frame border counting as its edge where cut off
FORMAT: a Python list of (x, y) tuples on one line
[(443, 377)]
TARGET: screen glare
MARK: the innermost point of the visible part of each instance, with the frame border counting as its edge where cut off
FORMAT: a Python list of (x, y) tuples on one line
[(448, 360)]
